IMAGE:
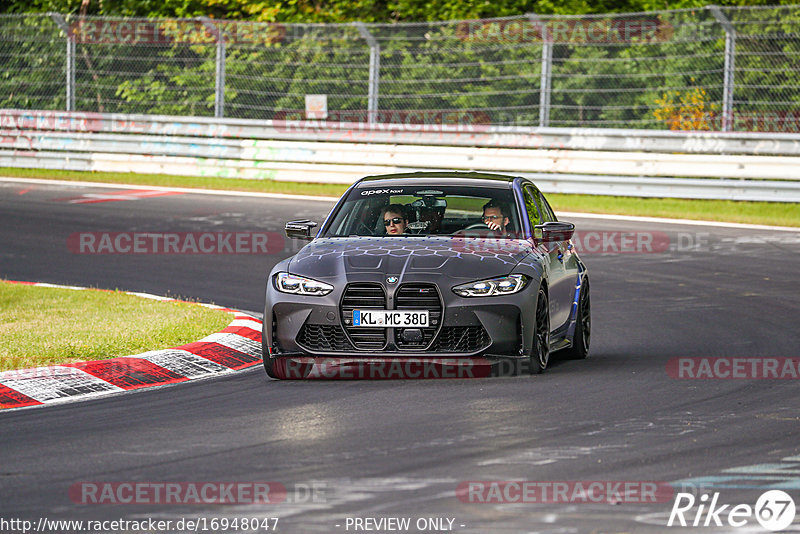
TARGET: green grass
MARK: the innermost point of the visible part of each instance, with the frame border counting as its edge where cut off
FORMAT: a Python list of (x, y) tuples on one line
[(771, 213), (169, 180), (45, 326)]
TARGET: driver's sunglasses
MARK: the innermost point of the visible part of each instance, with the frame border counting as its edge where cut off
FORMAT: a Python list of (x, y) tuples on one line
[(393, 220), (492, 217)]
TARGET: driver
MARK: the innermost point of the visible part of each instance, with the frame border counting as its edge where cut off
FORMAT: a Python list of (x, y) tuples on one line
[(433, 217), (394, 219), (495, 217)]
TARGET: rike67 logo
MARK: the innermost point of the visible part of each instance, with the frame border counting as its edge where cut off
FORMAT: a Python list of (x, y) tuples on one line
[(774, 510)]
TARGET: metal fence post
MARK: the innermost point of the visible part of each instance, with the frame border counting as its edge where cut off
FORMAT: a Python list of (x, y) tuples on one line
[(70, 66), (374, 72), (219, 88), (219, 71), (730, 58), (546, 76)]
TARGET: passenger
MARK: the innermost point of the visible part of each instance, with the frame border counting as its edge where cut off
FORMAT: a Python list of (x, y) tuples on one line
[(394, 219), (495, 217)]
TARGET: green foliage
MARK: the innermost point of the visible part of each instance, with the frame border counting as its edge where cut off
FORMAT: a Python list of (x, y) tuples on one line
[(353, 10), (481, 69), (33, 64)]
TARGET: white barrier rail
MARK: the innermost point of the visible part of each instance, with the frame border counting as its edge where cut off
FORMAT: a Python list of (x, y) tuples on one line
[(767, 144), (624, 162)]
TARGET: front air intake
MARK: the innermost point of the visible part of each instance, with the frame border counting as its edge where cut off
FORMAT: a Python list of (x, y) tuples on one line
[(419, 297), (461, 339)]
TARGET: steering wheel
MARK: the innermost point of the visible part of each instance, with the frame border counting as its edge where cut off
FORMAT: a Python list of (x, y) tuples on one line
[(417, 228), (475, 226)]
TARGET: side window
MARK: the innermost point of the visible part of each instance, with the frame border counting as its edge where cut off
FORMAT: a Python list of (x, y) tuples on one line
[(547, 211), (531, 206)]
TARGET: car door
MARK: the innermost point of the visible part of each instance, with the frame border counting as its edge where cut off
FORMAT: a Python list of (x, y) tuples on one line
[(561, 281)]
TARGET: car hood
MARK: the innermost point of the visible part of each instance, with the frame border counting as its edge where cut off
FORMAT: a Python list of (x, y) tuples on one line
[(456, 258)]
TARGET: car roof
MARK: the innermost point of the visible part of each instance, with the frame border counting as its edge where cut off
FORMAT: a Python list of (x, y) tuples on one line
[(451, 178)]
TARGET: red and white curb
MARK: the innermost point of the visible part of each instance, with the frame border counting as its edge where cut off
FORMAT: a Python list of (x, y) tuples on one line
[(236, 347)]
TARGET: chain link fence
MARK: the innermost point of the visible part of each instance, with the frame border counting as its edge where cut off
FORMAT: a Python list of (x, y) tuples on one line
[(702, 69)]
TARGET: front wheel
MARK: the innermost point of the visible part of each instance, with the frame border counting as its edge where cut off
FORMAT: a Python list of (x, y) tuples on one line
[(540, 353), (583, 326), (266, 353), (269, 363)]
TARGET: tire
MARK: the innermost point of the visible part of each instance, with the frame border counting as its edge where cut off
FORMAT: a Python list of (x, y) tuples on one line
[(583, 326), (540, 352), (266, 356), (269, 365)]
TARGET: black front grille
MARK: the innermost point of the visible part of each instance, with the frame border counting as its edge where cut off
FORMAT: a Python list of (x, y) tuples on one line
[(363, 296), (419, 297), (461, 339), (323, 338)]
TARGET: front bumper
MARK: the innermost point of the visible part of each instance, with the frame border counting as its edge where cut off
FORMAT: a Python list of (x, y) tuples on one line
[(297, 326), (300, 367)]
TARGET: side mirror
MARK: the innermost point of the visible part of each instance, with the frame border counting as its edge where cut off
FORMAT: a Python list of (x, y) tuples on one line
[(300, 229), (555, 231)]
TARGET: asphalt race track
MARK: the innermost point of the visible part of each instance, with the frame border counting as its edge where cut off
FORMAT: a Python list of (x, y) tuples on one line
[(401, 448)]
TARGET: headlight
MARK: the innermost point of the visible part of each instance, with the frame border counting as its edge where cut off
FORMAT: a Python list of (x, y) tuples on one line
[(502, 285), (289, 283)]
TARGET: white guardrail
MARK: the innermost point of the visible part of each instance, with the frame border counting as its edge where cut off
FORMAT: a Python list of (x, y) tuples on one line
[(643, 163)]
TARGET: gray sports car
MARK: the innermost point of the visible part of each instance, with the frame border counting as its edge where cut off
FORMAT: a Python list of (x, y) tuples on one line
[(429, 267)]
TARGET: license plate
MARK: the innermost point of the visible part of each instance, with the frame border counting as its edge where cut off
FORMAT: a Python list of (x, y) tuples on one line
[(395, 318)]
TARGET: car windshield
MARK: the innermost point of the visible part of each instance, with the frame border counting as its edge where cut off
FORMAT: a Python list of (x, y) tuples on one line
[(426, 210)]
